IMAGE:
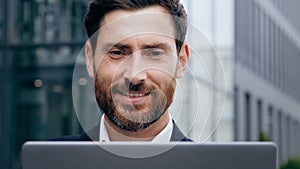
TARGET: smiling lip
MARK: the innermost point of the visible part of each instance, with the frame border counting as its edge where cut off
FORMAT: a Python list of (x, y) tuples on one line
[(135, 98)]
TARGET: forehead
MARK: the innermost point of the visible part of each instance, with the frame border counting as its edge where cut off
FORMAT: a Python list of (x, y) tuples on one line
[(121, 13), (120, 24)]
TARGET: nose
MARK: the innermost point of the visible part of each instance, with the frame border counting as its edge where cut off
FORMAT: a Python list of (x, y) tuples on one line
[(135, 71)]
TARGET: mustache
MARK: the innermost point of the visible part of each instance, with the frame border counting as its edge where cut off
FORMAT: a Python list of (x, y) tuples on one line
[(127, 86)]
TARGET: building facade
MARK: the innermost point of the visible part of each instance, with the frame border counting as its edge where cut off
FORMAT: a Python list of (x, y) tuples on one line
[(267, 80)]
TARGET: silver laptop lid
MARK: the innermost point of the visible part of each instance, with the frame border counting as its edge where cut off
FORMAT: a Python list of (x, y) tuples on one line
[(90, 155)]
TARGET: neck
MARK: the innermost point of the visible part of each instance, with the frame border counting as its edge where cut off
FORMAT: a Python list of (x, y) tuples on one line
[(147, 134)]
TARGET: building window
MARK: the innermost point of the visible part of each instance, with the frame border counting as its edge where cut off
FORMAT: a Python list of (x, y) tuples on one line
[(236, 113), (270, 122), (248, 116), (280, 135), (259, 115)]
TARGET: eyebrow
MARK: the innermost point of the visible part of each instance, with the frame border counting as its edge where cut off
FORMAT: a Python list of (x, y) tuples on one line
[(161, 45), (157, 45), (109, 46)]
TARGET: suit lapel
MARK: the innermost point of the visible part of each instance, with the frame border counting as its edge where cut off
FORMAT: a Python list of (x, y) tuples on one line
[(91, 135), (177, 135)]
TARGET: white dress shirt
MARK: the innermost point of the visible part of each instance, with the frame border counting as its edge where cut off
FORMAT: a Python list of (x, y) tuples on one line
[(163, 137)]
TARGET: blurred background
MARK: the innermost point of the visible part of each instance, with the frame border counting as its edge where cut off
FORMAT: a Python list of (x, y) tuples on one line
[(258, 42)]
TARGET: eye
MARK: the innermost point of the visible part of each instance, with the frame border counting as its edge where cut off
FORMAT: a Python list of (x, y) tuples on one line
[(116, 53), (155, 53)]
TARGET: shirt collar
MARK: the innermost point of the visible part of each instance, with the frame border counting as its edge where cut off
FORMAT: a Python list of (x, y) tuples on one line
[(163, 137)]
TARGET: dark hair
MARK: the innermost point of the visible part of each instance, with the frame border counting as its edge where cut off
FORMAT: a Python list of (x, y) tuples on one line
[(99, 8)]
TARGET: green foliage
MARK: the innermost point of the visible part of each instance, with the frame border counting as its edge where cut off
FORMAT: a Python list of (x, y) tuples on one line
[(293, 163), (263, 137)]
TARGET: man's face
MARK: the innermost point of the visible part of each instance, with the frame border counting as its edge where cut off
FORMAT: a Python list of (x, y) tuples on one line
[(135, 64)]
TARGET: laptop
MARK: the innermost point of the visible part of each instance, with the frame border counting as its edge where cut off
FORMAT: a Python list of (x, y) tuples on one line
[(127, 155)]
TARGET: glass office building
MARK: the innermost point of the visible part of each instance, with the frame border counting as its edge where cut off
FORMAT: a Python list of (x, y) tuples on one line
[(40, 41)]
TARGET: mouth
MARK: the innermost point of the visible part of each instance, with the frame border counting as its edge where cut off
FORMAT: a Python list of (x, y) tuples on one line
[(135, 97)]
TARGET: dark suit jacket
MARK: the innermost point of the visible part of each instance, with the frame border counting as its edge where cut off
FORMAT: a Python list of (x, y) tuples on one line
[(93, 135)]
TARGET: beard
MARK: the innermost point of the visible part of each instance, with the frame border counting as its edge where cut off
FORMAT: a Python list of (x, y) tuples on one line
[(128, 116)]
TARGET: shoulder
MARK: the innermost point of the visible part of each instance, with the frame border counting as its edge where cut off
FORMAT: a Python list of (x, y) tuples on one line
[(90, 135)]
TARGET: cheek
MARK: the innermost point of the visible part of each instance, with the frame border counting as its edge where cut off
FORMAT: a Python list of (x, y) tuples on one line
[(105, 70), (171, 66), (103, 80), (161, 78), (111, 70)]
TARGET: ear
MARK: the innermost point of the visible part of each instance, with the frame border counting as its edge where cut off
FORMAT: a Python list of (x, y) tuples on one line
[(89, 58), (183, 59)]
